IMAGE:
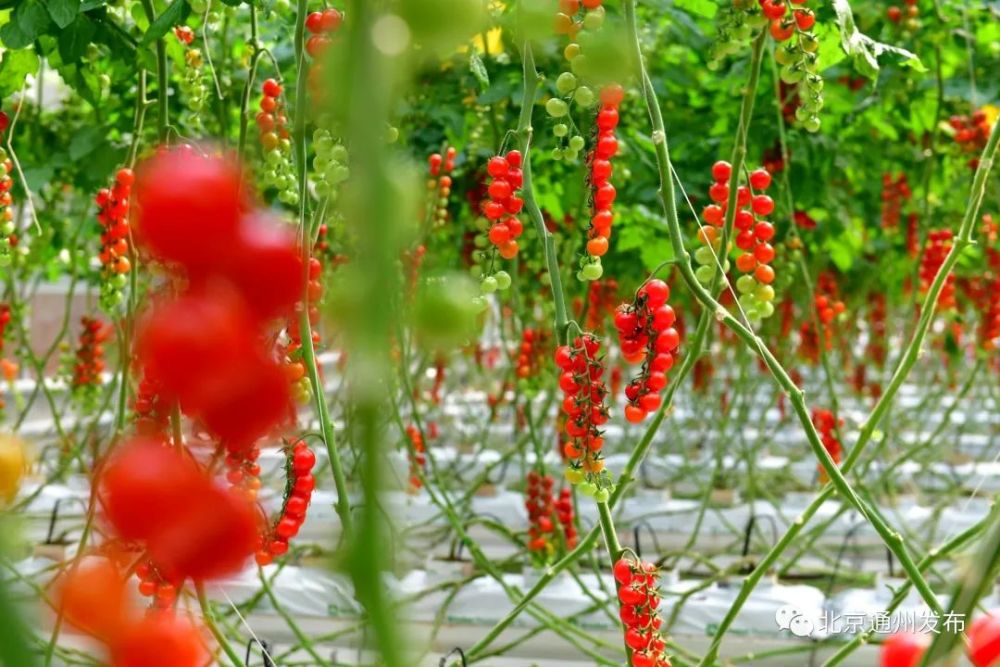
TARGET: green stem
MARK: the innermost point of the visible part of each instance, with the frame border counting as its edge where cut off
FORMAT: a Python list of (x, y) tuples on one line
[(162, 82)]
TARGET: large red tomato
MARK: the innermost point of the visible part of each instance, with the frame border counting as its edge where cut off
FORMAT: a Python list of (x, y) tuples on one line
[(213, 538), (266, 267), (185, 342), (147, 486), (160, 640), (245, 401), (189, 207)]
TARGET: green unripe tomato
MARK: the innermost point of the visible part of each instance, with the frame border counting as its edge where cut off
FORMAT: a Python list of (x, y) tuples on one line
[(556, 107), (503, 279), (584, 96), (792, 74), (488, 285), (602, 495), (576, 143), (338, 153), (560, 130), (592, 271), (704, 255), (811, 124), (704, 274), (745, 284), (594, 19), (565, 83), (570, 155), (588, 489), (574, 475), (766, 309)]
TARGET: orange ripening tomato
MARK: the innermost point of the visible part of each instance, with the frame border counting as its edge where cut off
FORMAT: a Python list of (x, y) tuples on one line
[(92, 598), (13, 462)]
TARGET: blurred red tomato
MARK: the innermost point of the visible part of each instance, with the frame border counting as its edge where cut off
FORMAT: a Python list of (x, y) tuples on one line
[(214, 538), (266, 267), (184, 342), (189, 207), (984, 640), (244, 401), (904, 649), (147, 487), (92, 598), (160, 640)]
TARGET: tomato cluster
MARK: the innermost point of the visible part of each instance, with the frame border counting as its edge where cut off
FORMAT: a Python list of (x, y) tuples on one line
[(292, 353), (602, 299), (541, 508), (894, 194), (828, 306), (321, 27), (276, 142), (877, 331), (647, 335), (273, 541), (529, 356), (8, 237), (155, 585), (564, 512), (639, 595), (971, 133), (939, 243), (503, 204), (152, 411), (439, 184), (193, 80), (581, 373), (603, 193), (417, 455), (907, 15), (826, 424), (88, 362), (573, 18), (113, 210)]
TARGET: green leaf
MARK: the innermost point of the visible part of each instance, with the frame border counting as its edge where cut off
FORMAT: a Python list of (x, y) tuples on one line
[(63, 11), (698, 7), (74, 39), (13, 37), (478, 70), (863, 49), (27, 22), (85, 141), (14, 67), (171, 16)]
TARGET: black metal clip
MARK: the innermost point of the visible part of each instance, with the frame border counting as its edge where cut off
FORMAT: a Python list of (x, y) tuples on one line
[(461, 655), (265, 651)]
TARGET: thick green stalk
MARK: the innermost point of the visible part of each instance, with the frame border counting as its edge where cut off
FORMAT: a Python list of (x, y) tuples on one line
[(342, 506), (524, 133), (162, 82)]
